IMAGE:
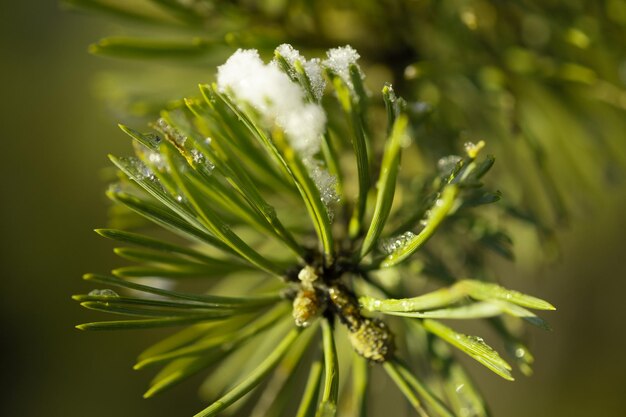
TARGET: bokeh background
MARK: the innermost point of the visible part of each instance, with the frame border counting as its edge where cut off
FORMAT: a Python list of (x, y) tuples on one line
[(55, 135)]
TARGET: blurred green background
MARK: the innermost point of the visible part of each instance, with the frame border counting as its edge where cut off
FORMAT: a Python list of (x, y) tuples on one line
[(55, 137)]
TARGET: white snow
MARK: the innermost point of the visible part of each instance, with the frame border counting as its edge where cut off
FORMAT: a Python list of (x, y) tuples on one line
[(281, 101), (312, 68), (303, 127), (265, 87), (325, 182), (278, 99), (339, 61), (290, 53)]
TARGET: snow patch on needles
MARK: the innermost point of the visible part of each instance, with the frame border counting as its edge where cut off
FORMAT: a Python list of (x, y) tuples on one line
[(312, 68), (304, 126), (265, 87), (283, 102), (326, 183), (272, 93), (339, 61)]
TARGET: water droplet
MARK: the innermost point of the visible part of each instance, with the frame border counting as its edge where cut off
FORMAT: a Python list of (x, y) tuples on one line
[(162, 124), (405, 305), (197, 156), (170, 132), (395, 243), (140, 170), (377, 304), (200, 160), (520, 353), (480, 341), (459, 388), (180, 198), (157, 160), (103, 293), (208, 140)]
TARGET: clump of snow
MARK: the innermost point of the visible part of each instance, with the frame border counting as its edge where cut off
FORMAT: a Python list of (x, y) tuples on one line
[(278, 99), (312, 68), (281, 101), (265, 87), (339, 61), (303, 127)]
